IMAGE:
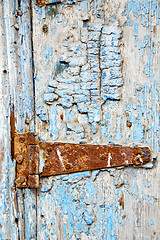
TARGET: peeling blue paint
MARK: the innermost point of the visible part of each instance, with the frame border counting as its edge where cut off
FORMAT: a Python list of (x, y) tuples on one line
[(89, 87)]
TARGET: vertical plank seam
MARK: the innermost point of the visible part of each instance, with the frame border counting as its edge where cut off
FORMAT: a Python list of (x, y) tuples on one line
[(33, 79)]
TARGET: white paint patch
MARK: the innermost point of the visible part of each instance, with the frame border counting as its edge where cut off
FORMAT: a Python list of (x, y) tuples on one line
[(41, 161), (126, 162), (60, 158), (109, 159)]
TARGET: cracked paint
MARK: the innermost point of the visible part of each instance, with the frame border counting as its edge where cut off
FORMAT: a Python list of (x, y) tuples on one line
[(132, 118)]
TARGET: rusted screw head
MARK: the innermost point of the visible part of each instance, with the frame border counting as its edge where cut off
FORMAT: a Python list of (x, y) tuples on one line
[(68, 166), (138, 159), (22, 139), (45, 28), (103, 157), (129, 124), (19, 159), (49, 149)]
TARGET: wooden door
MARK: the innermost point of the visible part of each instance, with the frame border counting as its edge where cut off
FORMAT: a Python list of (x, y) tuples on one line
[(84, 72)]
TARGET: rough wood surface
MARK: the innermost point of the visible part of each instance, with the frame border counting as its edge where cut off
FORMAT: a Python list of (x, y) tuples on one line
[(24, 110), (70, 43), (8, 207), (17, 220), (108, 204)]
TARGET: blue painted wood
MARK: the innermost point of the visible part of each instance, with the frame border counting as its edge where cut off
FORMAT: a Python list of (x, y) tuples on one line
[(17, 221), (106, 204), (8, 207), (25, 109)]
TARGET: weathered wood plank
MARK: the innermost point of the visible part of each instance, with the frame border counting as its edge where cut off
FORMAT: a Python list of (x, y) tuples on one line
[(18, 221), (108, 204), (8, 205), (24, 109)]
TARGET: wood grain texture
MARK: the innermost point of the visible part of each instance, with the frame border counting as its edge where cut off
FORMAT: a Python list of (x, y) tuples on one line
[(17, 222), (8, 204), (24, 111), (106, 204)]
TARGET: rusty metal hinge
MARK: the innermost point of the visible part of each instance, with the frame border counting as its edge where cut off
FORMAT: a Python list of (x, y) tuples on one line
[(63, 158), (41, 3)]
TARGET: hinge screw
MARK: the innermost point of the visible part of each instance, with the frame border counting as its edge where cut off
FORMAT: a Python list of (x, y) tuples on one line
[(68, 166), (138, 159), (19, 159), (22, 139)]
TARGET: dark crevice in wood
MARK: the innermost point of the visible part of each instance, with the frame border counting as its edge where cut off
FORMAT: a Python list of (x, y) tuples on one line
[(34, 102), (33, 68)]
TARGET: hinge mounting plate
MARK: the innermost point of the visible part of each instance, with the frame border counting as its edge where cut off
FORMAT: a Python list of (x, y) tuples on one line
[(26, 154)]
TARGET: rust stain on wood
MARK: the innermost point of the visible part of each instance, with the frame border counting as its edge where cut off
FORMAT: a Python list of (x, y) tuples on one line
[(12, 129), (120, 185), (121, 201)]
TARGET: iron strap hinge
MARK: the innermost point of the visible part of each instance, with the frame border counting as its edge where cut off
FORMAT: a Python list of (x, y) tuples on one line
[(63, 158)]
